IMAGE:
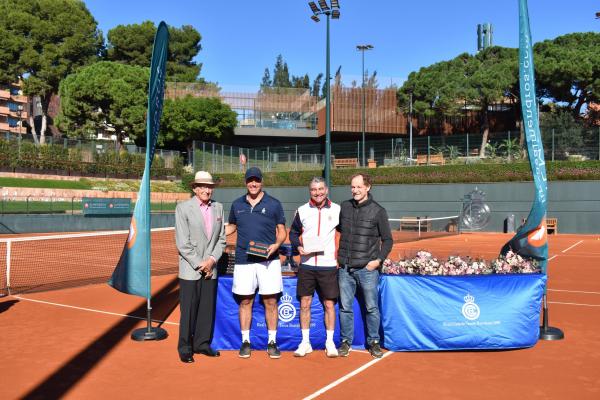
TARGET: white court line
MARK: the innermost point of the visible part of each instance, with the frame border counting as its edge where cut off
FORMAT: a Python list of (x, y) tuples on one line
[(574, 304), (93, 310), (569, 248), (346, 377), (572, 291), (553, 257)]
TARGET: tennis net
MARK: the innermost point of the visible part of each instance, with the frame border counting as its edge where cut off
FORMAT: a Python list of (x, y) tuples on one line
[(39, 263), (409, 229)]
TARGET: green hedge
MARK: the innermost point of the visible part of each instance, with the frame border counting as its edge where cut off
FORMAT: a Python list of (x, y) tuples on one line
[(469, 173), (17, 154)]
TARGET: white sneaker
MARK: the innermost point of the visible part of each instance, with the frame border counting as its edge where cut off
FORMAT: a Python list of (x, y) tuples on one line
[(304, 349), (331, 350)]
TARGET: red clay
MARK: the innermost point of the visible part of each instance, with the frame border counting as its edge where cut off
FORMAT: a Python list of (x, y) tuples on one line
[(51, 351)]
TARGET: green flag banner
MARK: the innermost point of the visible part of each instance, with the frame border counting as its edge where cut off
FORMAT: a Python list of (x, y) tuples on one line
[(531, 239), (132, 273)]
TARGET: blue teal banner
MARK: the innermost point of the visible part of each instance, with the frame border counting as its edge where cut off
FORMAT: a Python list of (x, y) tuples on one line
[(227, 327), (132, 273), (531, 239), (460, 312)]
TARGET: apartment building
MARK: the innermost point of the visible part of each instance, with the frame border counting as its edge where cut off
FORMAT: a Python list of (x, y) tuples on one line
[(14, 109)]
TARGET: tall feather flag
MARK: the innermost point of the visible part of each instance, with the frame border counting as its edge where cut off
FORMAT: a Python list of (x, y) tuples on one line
[(132, 273), (531, 239)]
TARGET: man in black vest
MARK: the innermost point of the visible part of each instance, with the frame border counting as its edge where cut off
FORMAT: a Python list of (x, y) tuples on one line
[(365, 241)]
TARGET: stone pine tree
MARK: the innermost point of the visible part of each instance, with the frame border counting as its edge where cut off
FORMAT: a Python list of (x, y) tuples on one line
[(105, 94), (132, 44), (41, 42), (568, 69), (441, 89)]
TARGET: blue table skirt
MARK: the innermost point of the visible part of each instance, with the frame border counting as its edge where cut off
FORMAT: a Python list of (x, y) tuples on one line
[(227, 335), (417, 313), (460, 312)]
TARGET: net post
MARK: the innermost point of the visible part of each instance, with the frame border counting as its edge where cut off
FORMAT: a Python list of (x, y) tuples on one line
[(8, 257)]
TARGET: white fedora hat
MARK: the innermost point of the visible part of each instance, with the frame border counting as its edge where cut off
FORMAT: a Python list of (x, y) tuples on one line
[(203, 177)]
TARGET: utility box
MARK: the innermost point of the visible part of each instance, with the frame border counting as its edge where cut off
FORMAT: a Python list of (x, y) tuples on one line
[(509, 224)]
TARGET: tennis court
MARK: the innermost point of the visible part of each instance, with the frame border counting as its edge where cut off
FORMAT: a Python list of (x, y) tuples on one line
[(74, 343)]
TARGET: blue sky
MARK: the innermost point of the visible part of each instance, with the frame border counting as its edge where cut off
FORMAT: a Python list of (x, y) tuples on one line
[(242, 37)]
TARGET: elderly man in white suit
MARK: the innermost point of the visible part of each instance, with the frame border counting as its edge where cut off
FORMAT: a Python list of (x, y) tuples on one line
[(200, 239)]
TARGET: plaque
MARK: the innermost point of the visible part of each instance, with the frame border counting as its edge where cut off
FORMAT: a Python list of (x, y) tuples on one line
[(258, 249), (312, 244)]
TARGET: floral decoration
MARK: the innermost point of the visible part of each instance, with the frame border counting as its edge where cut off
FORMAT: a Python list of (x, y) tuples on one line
[(425, 264)]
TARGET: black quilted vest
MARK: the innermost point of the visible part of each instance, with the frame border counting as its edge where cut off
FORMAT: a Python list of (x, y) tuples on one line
[(360, 240)]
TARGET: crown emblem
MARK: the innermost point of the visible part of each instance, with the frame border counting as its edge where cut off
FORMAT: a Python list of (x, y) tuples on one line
[(286, 298), (469, 299)]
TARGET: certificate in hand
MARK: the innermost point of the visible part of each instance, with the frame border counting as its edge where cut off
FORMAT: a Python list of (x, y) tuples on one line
[(312, 244), (258, 249)]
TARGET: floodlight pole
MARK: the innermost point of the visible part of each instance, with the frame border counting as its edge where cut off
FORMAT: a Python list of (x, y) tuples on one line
[(410, 129), (362, 49), (364, 114), (332, 11), (327, 113)]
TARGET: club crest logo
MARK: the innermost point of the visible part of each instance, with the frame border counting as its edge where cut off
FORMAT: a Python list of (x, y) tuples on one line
[(470, 310), (538, 237), (263, 211), (132, 233), (287, 311)]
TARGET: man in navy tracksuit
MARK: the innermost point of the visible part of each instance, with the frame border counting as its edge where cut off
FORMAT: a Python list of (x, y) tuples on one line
[(313, 234)]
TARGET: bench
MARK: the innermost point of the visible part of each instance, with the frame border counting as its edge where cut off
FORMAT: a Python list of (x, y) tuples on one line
[(345, 162), (423, 159), (414, 224), (551, 225)]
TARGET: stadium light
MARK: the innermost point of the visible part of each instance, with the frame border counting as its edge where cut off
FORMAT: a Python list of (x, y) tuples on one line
[(324, 6), (362, 48), (332, 11), (314, 7)]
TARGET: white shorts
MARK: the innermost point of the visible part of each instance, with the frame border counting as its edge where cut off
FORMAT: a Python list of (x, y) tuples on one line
[(265, 275)]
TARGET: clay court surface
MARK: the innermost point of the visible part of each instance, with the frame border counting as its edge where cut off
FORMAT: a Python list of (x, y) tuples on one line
[(74, 343)]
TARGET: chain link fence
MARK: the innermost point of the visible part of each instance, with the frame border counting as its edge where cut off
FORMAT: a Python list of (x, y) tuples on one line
[(501, 147), (90, 147)]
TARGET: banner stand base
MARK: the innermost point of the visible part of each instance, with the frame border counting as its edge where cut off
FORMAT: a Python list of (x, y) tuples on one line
[(144, 334), (551, 333)]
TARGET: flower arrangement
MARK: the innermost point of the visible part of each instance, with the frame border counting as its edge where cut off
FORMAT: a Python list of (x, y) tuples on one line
[(425, 264)]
